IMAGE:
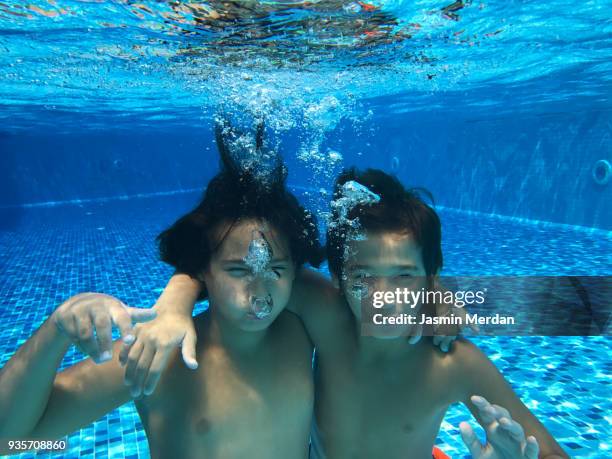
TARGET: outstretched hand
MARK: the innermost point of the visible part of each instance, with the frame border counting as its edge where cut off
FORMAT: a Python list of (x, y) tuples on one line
[(147, 356), (88, 319), (505, 437)]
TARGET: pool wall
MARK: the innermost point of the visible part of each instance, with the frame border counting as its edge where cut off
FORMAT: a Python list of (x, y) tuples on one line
[(532, 166)]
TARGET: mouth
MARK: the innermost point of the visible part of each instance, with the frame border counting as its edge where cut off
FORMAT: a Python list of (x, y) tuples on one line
[(254, 317), (261, 307)]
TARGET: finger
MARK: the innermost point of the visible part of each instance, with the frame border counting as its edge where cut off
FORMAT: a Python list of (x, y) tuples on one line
[(439, 341), (532, 449), (141, 315), (416, 336), (123, 354), (123, 320), (513, 428), (188, 350), (67, 324), (449, 341), (85, 337), (446, 343), (142, 370), (155, 370), (486, 411), (470, 439), (132, 362), (501, 412), (104, 335)]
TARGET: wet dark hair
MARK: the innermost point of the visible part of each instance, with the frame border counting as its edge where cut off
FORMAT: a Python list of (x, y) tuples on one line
[(237, 193), (398, 209)]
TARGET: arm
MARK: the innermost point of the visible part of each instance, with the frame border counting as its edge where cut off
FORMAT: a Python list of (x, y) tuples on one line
[(321, 308), (27, 379), (477, 375), (35, 401), (79, 395), (179, 296)]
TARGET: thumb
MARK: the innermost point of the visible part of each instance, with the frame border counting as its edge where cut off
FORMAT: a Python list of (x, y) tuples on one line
[(470, 439), (141, 315), (188, 349)]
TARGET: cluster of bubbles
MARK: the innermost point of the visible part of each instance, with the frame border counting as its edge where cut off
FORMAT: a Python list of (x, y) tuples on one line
[(250, 149), (289, 105), (259, 256), (258, 260), (352, 194)]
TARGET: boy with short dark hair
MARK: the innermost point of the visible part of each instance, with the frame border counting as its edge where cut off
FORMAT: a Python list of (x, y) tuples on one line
[(375, 397), (253, 395)]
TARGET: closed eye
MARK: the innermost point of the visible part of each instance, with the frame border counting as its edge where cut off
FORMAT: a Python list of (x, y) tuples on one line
[(362, 275), (278, 270), (237, 272)]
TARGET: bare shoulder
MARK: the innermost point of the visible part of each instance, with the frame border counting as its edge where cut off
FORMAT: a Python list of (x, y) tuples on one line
[(312, 286), (315, 294), (465, 353), (320, 306), (288, 325), (467, 366)]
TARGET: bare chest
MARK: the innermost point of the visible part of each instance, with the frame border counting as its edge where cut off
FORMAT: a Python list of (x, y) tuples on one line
[(231, 406), (383, 411)]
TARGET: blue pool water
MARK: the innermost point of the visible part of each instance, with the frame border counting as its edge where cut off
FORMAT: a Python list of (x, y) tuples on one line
[(503, 110), (56, 252)]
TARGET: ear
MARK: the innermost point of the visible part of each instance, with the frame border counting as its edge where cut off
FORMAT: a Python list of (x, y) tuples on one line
[(335, 281)]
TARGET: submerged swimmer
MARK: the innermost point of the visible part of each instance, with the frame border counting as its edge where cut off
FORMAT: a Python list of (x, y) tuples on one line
[(377, 396), (252, 395)]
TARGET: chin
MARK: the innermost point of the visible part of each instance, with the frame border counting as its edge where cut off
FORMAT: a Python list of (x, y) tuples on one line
[(248, 324)]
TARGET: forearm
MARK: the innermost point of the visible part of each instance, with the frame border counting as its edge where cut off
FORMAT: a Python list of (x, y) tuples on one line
[(27, 379), (180, 295)]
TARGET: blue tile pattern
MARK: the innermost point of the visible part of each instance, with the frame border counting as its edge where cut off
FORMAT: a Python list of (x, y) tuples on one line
[(49, 254)]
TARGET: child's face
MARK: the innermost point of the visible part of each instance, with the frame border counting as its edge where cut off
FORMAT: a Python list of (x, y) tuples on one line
[(250, 276), (384, 261)]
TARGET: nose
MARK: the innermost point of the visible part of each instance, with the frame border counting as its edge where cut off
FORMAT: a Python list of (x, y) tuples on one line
[(258, 287), (381, 284)]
